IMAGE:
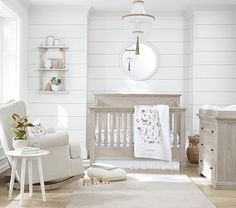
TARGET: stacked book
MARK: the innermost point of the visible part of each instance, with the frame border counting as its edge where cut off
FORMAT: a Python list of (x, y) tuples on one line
[(30, 150)]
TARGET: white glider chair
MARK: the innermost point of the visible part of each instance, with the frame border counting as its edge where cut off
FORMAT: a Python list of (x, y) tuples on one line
[(64, 160)]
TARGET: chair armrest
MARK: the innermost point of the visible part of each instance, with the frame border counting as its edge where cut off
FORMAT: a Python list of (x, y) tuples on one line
[(51, 140)]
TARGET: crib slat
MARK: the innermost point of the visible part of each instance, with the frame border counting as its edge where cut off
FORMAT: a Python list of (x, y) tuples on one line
[(118, 130), (112, 128), (175, 129), (105, 129), (131, 130), (99, 122), (125, 130)]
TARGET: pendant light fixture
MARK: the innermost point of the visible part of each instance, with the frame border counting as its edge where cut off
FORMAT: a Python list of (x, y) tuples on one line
[(139, 22)]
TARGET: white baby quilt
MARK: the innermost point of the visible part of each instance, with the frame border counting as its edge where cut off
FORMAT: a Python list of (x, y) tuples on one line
[(151, 132)]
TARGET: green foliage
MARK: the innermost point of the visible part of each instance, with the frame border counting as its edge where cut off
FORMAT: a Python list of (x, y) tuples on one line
[(55, 81), (19, 127)]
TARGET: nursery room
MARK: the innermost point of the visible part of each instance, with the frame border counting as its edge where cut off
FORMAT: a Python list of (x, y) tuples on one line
[(127, 104)]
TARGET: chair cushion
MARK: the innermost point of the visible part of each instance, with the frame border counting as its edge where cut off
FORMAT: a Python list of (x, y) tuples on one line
[(117, 174), (75, 150)]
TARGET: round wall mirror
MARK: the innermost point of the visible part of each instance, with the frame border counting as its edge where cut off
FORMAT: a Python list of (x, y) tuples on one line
[(141, 66)]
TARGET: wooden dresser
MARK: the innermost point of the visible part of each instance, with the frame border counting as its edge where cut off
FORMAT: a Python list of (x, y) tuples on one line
[(217, 155)]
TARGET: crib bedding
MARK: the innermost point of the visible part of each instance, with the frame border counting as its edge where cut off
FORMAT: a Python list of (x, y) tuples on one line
[(126, 142)]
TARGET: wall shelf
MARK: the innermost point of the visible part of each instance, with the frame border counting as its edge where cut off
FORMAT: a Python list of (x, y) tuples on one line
[(44, 69), (58, 66), (53, 92), (53, 47)]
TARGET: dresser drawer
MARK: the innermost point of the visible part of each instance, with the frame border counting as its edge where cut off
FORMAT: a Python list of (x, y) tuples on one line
[(208, 153), (208, 125)]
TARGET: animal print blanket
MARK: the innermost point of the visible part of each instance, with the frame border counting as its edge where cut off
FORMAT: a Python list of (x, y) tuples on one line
[(152, 132)]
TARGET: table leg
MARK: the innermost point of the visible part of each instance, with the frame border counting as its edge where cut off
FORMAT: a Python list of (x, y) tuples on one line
[(13, 174), (22, 180), (41, 178), (30, 177)]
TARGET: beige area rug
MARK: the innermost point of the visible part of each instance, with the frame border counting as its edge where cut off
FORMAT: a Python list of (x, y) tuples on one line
[(142, 191)]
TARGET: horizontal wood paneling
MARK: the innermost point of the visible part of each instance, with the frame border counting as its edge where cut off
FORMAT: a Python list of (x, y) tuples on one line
[(130, 85), (76, 44), (73, 57), (74, 84), (64, 112), (174, 73), (216, 31), (74, 71), (208, 45), (61, 121), (215, 85), (115, 48), (115, 23), (216, 18), (113, 60), (215, 71), (63, 109), (57, 15), (121, 36), (65, 31), (78, 97), (215, 60)]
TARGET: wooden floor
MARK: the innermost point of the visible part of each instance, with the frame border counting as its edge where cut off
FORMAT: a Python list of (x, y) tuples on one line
[(60, 198)]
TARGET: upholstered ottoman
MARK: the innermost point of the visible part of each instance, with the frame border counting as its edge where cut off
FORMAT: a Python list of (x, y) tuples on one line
[(116, 174)]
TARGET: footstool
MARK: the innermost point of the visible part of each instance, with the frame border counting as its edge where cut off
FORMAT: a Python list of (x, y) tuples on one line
[(116, 174)]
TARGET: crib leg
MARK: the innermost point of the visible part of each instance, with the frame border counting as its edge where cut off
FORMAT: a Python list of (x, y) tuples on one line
[(181, 165)]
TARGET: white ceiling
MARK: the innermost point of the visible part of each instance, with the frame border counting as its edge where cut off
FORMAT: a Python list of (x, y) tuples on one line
[(150, 5)]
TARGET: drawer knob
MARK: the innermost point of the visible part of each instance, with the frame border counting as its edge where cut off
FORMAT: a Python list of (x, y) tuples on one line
[(212, 150), (201, 144), (202, 128), (212, 131), (201, 160), (211, 168)]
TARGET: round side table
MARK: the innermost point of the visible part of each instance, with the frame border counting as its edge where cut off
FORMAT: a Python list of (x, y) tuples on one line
[(26, 158)]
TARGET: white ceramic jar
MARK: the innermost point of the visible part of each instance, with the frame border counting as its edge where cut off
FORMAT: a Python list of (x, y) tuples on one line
[(49, 40), (57, 42), (56, 87), (48, 64)]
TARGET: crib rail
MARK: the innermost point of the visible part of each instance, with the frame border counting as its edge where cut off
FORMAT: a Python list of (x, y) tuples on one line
[(111, 132)]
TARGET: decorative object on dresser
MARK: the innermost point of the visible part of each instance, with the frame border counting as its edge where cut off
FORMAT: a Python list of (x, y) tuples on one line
[(111, 130), (52, 65), (192, 151), (217, 159)]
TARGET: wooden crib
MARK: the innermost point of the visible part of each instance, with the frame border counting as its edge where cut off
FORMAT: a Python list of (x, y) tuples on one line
[(111, 125)]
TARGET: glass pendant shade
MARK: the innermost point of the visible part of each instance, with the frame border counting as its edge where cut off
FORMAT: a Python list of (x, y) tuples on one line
[(138, 22)]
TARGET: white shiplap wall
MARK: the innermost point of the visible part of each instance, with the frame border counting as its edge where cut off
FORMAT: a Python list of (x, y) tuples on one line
[(215, 59), (66, 111), (107, 38)]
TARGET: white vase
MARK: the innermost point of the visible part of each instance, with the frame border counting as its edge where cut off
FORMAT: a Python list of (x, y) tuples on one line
[(49, 40), (19, 144), (48, 64), (56, 87)]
